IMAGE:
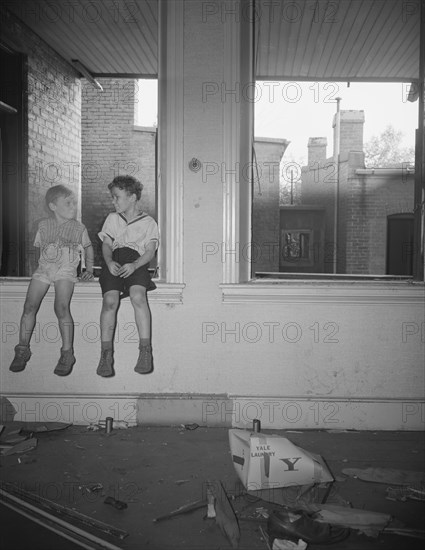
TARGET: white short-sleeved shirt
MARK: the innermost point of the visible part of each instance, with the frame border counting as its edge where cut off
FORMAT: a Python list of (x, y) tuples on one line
[(135, 234)]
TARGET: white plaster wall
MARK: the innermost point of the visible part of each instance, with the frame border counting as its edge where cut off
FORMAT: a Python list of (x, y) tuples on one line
[(366, 354)]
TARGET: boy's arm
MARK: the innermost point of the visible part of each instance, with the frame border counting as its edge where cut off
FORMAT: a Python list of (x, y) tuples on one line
[(127, 269), (147, 256), (113, 267), (89, 257)]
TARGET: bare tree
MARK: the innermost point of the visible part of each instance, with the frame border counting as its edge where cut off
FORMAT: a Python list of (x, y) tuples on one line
[(385, 150)]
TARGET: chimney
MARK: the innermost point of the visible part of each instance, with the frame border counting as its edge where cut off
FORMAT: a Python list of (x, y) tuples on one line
[(351, 131), (316, 150)]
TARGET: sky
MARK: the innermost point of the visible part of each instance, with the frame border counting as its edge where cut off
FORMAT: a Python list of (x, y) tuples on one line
[(297, 111)]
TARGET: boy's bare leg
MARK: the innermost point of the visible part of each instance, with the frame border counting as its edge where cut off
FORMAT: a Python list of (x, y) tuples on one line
[(63, 294), (108, 315), (142, 312), (35, 294), (108, 319), (142, 316)]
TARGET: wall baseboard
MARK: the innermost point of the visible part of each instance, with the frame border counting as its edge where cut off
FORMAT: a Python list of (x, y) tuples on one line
[(288, 413)]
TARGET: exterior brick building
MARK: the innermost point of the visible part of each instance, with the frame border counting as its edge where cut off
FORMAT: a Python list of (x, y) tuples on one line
[(366, 198), (265, 204), (112, 145), (41, 142)]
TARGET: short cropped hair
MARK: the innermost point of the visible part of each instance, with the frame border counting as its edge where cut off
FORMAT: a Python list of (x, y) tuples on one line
[(53, 193), (129, 184)]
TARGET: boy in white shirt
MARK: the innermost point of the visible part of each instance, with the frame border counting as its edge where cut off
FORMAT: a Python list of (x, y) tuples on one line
[(129, 242)]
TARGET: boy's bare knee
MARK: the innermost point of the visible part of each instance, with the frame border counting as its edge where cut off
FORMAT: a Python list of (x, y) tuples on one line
[(62, 310), (110, 303), (138, 300)]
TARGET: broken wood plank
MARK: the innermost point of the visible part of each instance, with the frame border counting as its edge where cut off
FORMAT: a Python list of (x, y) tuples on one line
[(60, 527), (71, 517), (182, 510), (210, 503), (13, 439), (225, 515), (406, 532), (22, 447), (389, 476)]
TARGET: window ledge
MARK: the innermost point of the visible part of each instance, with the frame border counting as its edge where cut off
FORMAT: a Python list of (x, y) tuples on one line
[(146, 129), (371, 292), (165, 293)]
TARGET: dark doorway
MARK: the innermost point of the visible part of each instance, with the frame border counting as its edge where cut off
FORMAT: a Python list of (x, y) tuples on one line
[(12, 186), (400, 244)]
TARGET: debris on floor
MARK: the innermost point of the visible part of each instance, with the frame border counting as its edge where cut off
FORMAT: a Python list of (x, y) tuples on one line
[(282, 544), (299, 525), (62, 520), (7, 449), (190, 507), (363, 521), (389, 476), (116, 424), (86, 469), (224, 514), (190, 427), (118, 504), (269, 461), (414, 533), (405, 493)]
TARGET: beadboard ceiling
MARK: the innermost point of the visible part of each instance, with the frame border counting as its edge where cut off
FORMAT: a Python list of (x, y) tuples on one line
[(349, 40)]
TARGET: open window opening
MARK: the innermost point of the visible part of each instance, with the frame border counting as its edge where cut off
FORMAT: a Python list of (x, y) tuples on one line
[(60, 126), (332, 167), (119, 137), (325, 166)]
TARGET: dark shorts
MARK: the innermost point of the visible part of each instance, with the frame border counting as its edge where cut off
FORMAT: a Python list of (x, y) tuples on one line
[(140, 277)]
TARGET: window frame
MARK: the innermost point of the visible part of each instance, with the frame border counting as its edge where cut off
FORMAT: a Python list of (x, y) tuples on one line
[(237, 285)]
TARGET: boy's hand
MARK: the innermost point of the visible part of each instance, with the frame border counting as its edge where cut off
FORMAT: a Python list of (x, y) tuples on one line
[(126, 270), (87, 276), (114, 267)]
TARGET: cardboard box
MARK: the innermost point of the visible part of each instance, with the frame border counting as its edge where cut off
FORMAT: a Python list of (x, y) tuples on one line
[(269, 461)]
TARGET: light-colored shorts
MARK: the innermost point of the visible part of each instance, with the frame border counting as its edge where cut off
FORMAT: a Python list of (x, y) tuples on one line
[(61, 266)]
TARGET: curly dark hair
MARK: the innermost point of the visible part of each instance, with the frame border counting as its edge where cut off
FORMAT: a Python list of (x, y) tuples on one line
[(131, 185)]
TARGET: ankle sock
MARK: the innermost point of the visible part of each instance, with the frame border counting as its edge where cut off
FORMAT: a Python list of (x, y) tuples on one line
[(144, 342), (106, 345)]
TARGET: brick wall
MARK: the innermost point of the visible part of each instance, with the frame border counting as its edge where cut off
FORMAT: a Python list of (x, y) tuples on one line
[(351, 130), (318, 189), (316, 150), (52, 136), (365, 202), (373, 199), (265, 204), (112, 146)]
